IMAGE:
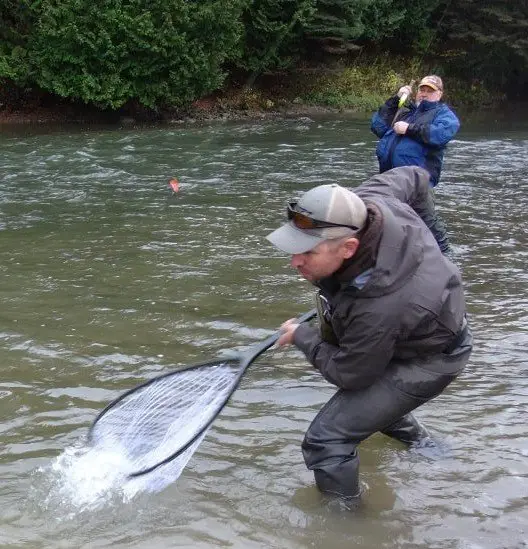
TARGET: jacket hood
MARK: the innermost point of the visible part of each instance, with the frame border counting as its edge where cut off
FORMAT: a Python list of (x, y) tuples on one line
[(400, 252)]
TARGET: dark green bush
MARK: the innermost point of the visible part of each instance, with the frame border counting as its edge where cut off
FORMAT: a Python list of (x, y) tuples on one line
[(273, 32), (156, 52), (370, 20), (491, 41)]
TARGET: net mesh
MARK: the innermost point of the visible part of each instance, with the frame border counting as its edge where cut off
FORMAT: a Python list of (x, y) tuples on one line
[(153, 422)]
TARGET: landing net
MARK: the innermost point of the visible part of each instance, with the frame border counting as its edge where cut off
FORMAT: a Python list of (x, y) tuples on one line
[(155, 422)]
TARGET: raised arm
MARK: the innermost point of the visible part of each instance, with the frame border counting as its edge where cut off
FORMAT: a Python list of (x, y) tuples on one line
[(382, 120)]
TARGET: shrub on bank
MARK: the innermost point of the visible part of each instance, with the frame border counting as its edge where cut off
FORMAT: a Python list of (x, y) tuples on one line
[(366, 84), (154, 52)]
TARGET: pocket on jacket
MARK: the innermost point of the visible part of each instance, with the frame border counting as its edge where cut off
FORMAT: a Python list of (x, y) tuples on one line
[(416, 381)]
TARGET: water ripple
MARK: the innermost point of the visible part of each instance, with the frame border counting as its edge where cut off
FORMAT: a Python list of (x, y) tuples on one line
[(109, 278)]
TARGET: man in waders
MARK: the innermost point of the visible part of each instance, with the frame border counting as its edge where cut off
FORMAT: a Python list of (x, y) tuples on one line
[(392, 328), (417, 133)]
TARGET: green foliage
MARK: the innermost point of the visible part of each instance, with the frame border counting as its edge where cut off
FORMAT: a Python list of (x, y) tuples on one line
[(370, 20), (15, 24), (273, 30), (470, 95), (491, 39), (364, 86), (170, 52), (14, 65), (371, 80), (153, 51)]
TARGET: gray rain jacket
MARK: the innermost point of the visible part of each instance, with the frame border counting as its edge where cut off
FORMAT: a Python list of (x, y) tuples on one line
[(409, 305)]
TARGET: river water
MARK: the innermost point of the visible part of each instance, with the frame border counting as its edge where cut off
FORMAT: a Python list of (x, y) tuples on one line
[(109, 278)]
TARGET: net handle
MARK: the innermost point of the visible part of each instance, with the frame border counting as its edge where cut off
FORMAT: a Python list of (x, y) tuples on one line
[(258, 349)]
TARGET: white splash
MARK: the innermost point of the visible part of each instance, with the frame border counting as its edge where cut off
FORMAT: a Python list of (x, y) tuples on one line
[(85, 478)]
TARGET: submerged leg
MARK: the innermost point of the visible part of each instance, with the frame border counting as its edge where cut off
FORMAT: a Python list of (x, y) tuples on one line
[(408, 430), (330, 447)]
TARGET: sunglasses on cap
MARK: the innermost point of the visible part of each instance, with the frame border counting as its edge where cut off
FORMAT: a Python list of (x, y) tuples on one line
[(302, 221)]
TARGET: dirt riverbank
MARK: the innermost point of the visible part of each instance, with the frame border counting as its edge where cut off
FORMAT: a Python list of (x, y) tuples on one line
[(39, 108)]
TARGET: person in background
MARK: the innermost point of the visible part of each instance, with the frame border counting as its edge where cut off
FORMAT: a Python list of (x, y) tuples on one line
[(415, 134), (392, 326)]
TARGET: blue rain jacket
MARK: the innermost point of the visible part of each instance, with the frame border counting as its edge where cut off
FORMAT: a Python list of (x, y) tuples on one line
[(432, 124)]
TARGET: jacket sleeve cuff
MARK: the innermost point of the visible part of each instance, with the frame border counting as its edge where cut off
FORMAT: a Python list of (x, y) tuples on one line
[(306, 338)]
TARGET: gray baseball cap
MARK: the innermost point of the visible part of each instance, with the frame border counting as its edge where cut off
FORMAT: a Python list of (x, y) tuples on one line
[(323, 213)]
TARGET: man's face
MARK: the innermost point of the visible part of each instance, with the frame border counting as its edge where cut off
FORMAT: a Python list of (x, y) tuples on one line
[(428, 94), (324, 259)]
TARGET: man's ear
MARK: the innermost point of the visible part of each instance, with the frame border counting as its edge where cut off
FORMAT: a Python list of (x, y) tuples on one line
[(350, 246)]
